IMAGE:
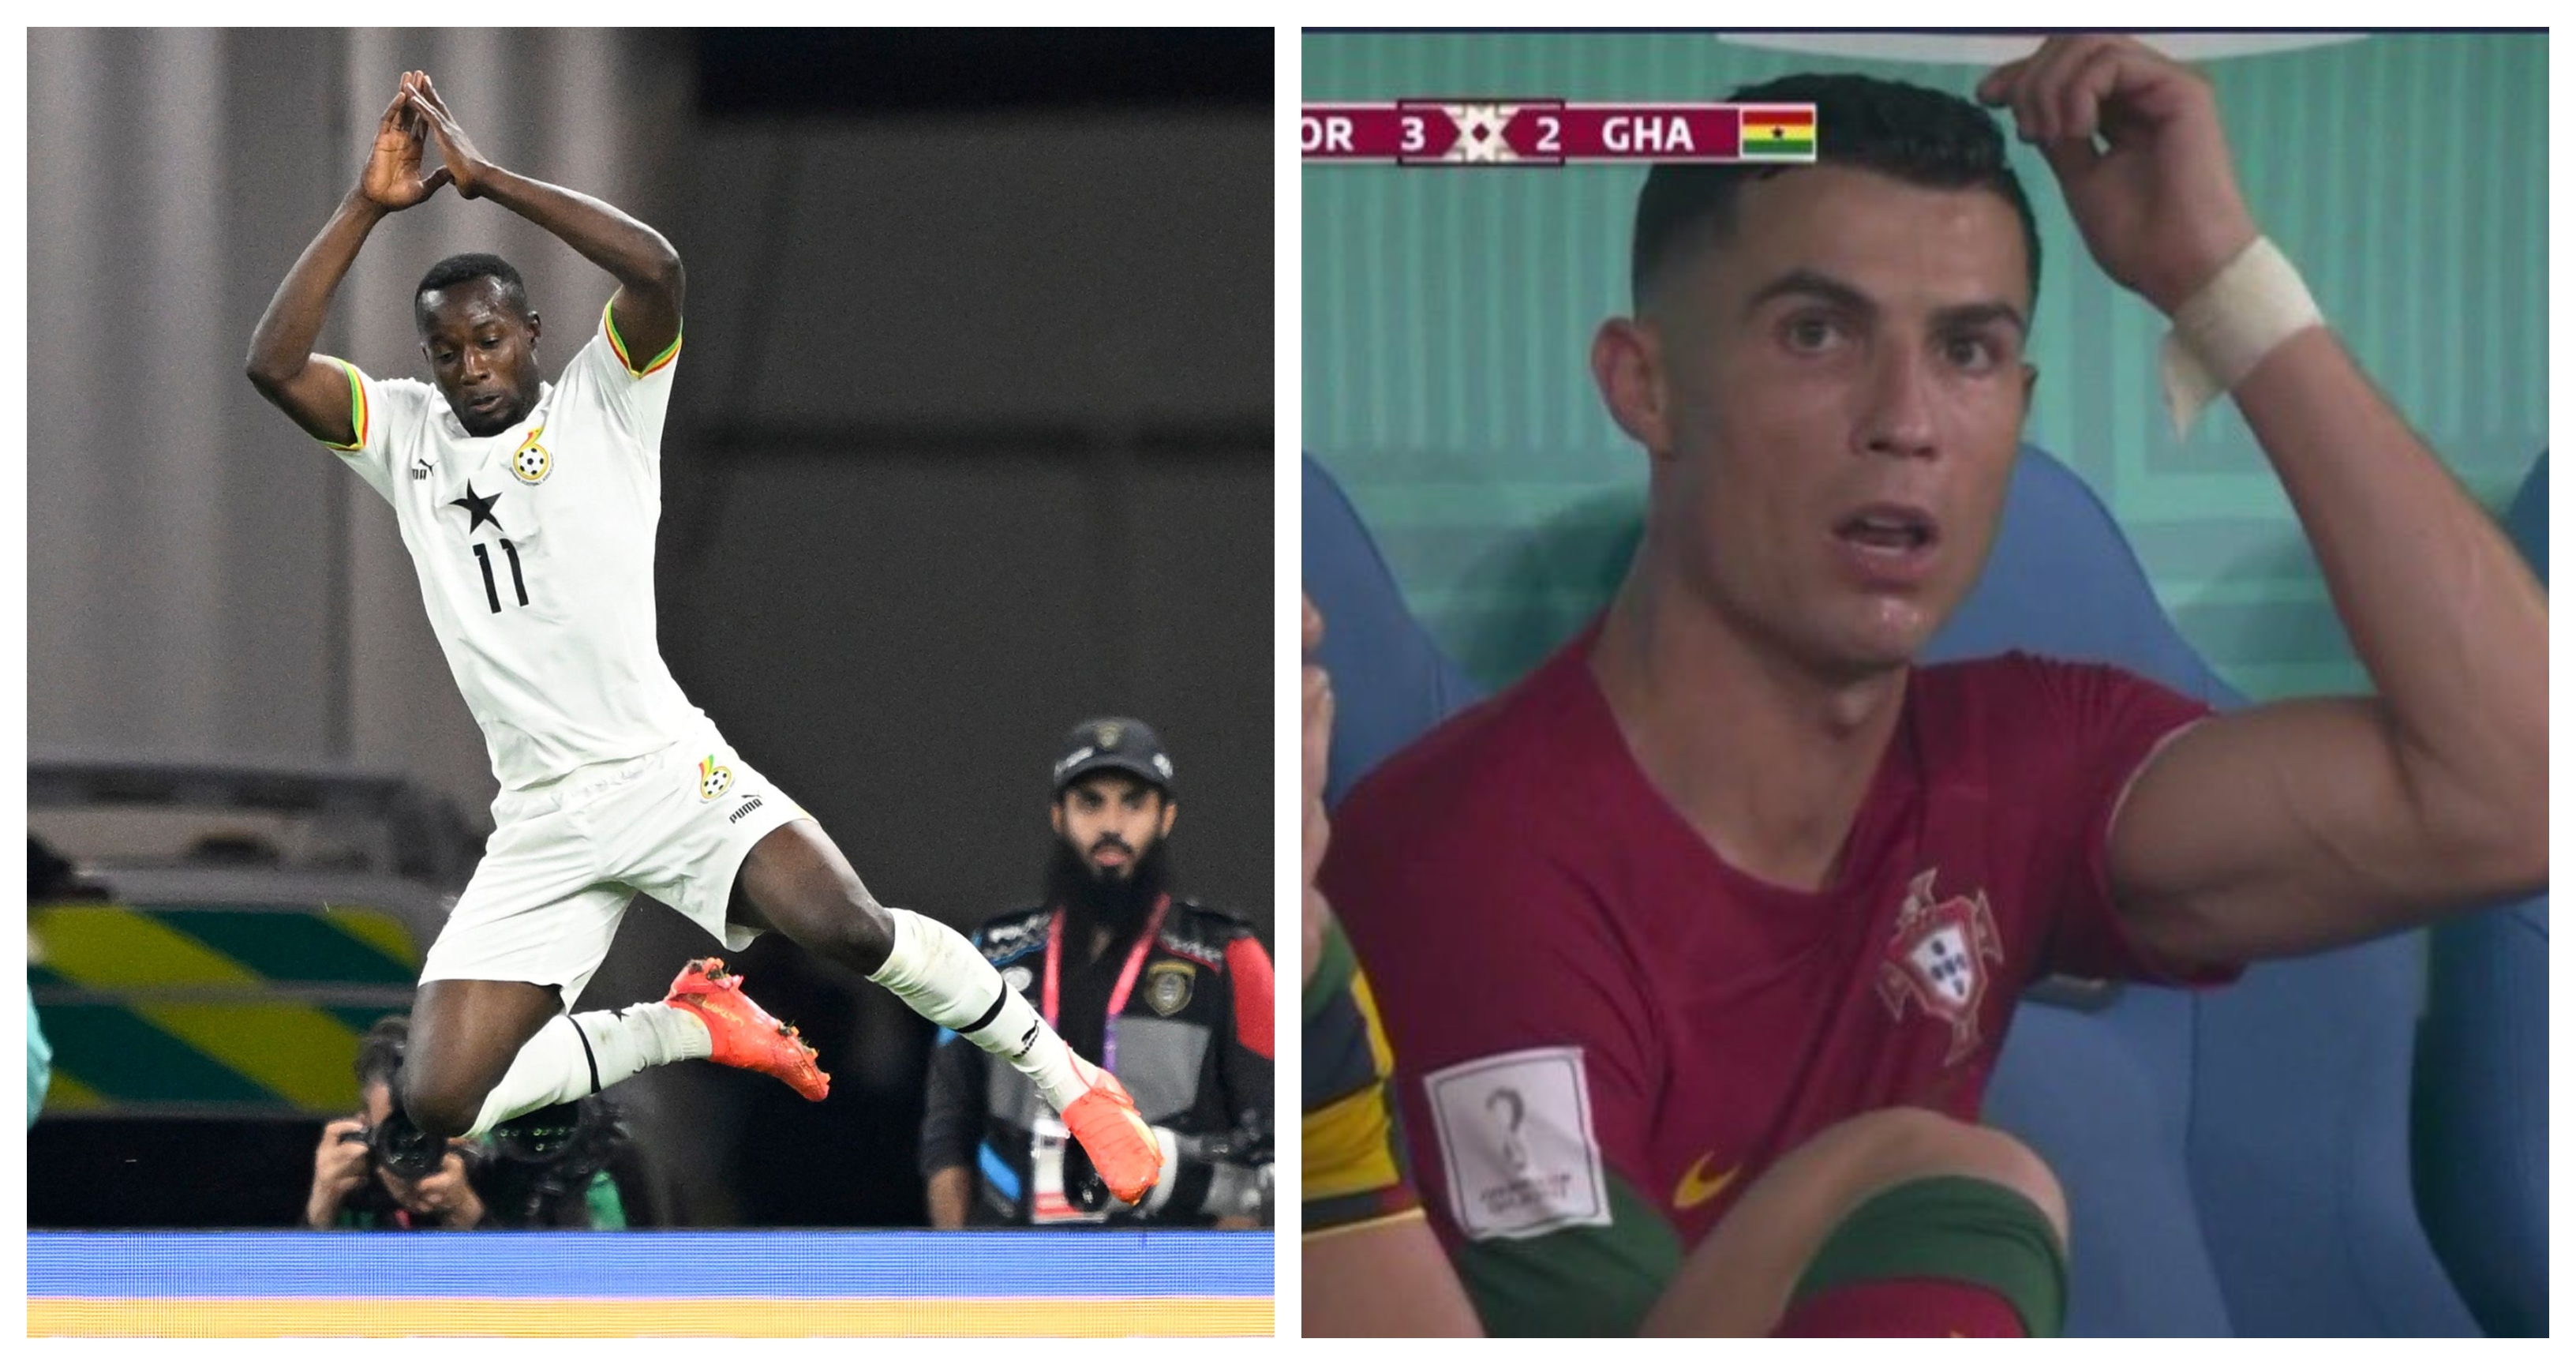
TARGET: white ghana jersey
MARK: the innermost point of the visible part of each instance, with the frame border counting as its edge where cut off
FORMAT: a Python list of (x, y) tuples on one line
[(535, 554)]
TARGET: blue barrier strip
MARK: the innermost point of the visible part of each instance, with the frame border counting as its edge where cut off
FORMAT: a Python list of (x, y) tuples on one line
[(1100, 1264)]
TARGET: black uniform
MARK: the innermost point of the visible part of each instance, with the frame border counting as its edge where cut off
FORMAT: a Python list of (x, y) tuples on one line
[(1192, 1043)]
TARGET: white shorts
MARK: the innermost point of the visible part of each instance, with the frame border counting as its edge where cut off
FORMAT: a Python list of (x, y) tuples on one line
[(567, 858)]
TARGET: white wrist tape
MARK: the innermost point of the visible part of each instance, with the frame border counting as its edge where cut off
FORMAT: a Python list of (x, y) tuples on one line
[(2222, 332)]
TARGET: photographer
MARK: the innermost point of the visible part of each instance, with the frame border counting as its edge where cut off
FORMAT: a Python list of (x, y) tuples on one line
[(552, 1174), (350, 1190)]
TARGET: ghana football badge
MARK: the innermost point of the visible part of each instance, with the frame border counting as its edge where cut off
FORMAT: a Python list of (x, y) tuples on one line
[(714, 779), (1937, 959), (532, 462)]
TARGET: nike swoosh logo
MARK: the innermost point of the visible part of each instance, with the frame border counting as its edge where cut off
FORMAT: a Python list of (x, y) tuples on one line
[(1697, 1188)]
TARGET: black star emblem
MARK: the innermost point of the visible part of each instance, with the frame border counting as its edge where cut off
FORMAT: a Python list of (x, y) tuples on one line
[(480, 507)]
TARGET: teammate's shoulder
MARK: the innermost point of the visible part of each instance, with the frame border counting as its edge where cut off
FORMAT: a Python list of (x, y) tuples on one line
[(1012, 933)]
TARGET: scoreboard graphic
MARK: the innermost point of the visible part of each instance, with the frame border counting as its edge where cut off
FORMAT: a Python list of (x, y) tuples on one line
[(1552, 132)]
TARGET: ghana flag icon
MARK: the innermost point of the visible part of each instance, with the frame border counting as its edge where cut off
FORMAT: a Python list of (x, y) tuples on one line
[(1777, 132)]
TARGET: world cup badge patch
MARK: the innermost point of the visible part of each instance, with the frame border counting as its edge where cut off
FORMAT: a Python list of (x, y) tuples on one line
[(531, 462), (1167, 986), (714, 779), (1938, 959)]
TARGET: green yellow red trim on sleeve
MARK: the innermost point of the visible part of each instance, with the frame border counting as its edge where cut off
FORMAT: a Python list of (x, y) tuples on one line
[(608, 319), (357, 407)]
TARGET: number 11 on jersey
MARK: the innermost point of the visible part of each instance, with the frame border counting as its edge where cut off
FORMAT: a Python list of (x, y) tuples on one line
[(492, 590)]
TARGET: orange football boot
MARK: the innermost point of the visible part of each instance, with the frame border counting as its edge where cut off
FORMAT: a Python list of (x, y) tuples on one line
[(745, 1035), (1121, 1144)]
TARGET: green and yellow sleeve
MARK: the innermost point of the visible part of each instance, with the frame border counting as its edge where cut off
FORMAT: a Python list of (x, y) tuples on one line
[(1354, 1168)]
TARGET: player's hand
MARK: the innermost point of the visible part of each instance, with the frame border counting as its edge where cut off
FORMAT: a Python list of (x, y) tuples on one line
[(1317, 755), (2158, 201), (339, 1168), (464, 164), (392, 180)]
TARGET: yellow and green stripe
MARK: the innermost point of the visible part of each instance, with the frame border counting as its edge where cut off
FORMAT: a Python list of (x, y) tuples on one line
[(1353, 1170), (213, 1006), (608, 319)]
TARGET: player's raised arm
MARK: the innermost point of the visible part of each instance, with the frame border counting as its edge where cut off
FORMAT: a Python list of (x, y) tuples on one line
[(281, 365), (2302, 824), (646, 307)]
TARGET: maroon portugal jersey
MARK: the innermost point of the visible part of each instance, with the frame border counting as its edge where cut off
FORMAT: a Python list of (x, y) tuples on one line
[(1604, 1032)]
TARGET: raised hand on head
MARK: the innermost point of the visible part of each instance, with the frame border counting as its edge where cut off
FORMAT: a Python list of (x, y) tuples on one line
[(2135, 139)]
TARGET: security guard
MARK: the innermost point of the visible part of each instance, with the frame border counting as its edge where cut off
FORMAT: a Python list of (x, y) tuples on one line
[(1172, 995)]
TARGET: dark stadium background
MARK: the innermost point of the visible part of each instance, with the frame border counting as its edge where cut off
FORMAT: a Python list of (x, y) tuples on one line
[(972, 439)]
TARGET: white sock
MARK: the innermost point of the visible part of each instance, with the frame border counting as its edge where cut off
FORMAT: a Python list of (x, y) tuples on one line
[(582, 1054), (940, 975)]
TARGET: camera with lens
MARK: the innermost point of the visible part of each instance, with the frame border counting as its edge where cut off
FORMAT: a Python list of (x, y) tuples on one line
[(371, 1196), (396, 1146), (536, 1170), (1216, 1175)]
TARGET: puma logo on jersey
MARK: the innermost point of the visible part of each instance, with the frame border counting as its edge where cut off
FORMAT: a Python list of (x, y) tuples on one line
[(747, 808), (419, 472), (714, 779), (532, 462)]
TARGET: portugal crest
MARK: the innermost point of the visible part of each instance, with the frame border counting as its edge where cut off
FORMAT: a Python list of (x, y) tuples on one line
[(1938, 959), (532, 462), (714, 779)]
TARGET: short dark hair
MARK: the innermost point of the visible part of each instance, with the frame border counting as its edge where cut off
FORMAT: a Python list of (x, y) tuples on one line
[(1910, 133), (380, 1053), (474, 265)]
